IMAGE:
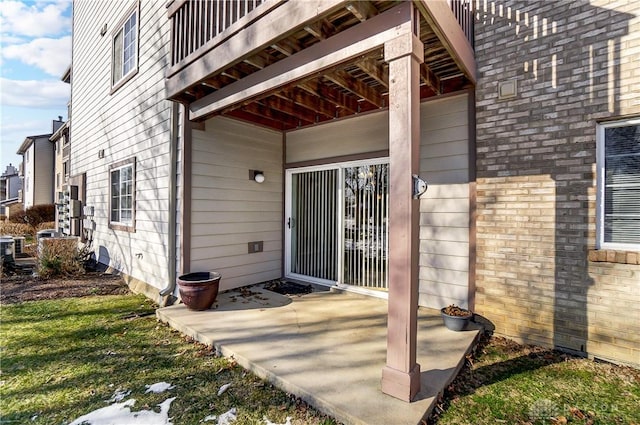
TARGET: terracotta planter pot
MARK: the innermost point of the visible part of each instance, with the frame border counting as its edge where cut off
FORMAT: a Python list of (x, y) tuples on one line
[(199, 290), (456, 323)]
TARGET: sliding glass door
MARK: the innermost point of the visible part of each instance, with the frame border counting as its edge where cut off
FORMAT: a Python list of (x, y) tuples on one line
[(336, 224)]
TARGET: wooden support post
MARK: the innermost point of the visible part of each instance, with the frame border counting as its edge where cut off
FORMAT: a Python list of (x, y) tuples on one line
[(401, 376)]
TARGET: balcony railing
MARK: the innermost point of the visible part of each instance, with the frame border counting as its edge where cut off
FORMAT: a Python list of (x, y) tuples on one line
[(198, 25), (463, 11)]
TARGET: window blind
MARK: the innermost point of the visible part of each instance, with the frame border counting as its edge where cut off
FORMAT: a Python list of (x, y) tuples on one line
[(622, 185)]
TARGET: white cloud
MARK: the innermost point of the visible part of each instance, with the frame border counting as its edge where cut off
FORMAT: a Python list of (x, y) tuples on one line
[(52, 55), (34, 19), (34, 94)]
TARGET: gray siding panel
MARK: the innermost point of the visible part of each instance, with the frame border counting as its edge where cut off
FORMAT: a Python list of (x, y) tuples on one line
[(133, 121), (444, 163), (228, 209)]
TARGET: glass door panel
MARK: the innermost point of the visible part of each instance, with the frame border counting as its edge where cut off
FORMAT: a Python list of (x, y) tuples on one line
[(313, 224), (366, 208)]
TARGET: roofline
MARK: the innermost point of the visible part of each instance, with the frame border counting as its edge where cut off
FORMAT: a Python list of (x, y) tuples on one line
[(66, 76), (29, 140)]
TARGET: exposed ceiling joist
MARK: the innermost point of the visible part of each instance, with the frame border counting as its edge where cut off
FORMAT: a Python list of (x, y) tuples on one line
[(376, 71), (355, 86), (304, 98), (430, 79), (362, 10)]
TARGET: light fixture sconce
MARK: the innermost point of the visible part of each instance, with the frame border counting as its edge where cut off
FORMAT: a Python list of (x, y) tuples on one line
[(256, 175)]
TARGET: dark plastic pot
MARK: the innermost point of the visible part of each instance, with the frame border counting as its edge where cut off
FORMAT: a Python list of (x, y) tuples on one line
[(456, 323), (199, 290)]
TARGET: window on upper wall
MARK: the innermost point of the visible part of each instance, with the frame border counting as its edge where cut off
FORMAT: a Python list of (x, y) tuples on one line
[(122, 195), (124, 61), (618, 196)]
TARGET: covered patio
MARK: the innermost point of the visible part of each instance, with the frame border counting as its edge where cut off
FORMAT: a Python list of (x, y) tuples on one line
[(248, 79), (330, 357)]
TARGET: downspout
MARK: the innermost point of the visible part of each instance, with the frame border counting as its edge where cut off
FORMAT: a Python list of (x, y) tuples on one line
[(167, 292)]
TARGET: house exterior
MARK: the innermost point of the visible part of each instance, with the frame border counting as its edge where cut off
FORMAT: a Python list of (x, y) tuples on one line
[(9, 189), (38, 168), (268, 139), (68, 205), (558, 166)]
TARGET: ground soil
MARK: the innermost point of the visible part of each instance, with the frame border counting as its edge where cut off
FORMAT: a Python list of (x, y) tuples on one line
[(18, 288)]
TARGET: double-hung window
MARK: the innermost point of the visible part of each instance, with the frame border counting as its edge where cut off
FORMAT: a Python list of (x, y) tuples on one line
[(125, 50), (618, 197), (122, 195)]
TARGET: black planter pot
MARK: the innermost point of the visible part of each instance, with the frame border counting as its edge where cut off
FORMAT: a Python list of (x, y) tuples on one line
[(199, 290), (456, 323)]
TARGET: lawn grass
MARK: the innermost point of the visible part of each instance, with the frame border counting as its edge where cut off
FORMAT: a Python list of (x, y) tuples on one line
[(64, 358), (517, 384)]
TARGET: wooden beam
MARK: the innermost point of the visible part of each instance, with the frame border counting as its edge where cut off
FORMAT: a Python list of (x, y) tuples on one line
[(317, 103), (355, 86), (316, 29), (303, 113), (442, 21), (430, 79), (376, 71), (339, 99), (340, 48), (266, 112), (362, 10), (259, 120)]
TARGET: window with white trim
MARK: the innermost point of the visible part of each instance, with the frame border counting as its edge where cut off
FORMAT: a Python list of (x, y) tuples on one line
[(122, 195), (125, 50), (618, 196)]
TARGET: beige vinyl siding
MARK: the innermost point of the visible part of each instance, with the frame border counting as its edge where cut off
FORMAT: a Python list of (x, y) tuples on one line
[(44, 172), (228, 210), (444, 209), (444, 163), (29, 177), (133, 121), (366, 133)]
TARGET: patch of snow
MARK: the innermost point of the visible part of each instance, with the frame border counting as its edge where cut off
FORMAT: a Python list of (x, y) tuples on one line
[(118, 395), (227, 417), (120, 413), (223, 388), (209, 418), (268, 422), (158, 387)]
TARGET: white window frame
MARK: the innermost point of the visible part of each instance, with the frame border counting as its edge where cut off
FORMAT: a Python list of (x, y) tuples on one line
[(600, 188), (120, 77), (119, 224)]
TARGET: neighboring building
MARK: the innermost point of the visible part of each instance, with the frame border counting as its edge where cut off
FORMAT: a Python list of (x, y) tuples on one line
[(337, 105), (38, 162), (67, 211), (9, 190)]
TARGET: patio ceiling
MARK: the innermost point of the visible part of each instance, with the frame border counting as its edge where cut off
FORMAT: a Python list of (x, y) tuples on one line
[(352, 87)]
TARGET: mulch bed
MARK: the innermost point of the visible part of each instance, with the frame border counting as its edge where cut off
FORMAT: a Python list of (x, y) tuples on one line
[(18, 288)]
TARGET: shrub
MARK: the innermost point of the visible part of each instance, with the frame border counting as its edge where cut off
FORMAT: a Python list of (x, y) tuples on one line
[(15, 229), (18, 217), (46, 225), (59, 256), (38, 214), (35, 215)]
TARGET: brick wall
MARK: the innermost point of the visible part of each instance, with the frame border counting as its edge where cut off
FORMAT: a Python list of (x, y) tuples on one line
[(538, 276)]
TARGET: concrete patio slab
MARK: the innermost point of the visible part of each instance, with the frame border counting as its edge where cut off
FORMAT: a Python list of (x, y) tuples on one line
[(327, 348)]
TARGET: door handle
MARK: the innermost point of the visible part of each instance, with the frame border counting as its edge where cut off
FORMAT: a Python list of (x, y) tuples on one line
[(291, 222)]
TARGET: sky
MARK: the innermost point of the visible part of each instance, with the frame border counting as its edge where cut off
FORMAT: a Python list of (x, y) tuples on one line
[(35, 50)]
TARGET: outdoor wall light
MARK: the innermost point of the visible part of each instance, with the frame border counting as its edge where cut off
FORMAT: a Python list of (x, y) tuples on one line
[(256, 175)]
